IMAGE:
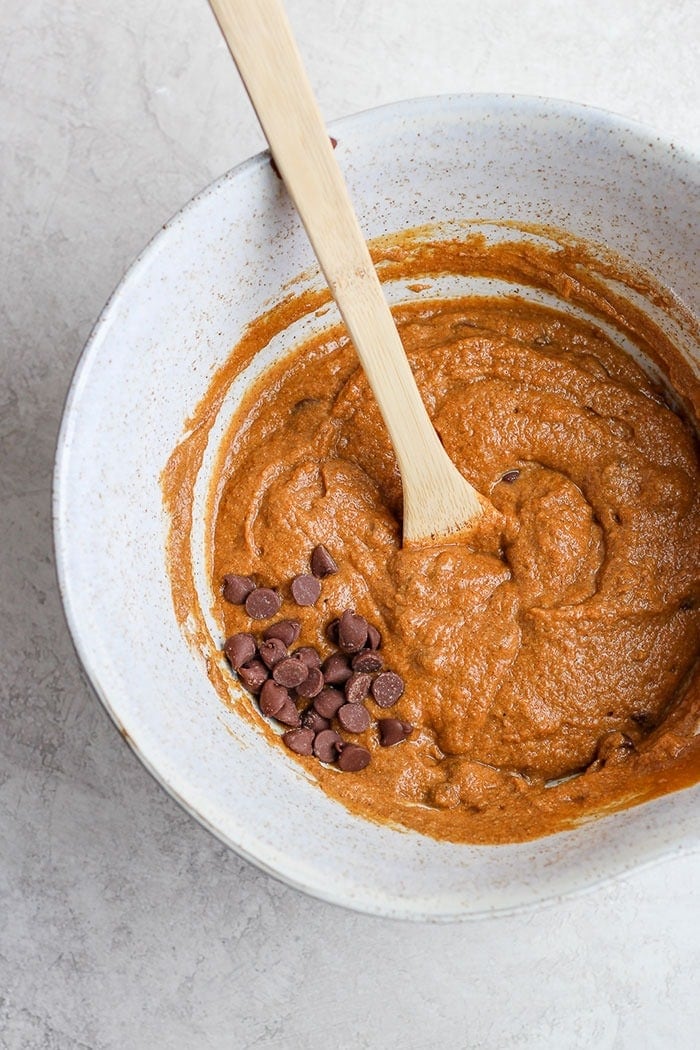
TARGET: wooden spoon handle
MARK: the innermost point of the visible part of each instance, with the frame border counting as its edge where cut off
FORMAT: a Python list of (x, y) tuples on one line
[(263, 47)]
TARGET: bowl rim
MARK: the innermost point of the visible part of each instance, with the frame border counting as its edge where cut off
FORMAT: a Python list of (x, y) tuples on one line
[(80, 641)]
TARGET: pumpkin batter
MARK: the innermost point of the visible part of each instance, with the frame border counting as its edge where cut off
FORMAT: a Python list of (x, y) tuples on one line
[(548, 664)]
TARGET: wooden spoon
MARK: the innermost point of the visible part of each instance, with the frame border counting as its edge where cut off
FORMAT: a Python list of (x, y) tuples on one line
[(438, 501)]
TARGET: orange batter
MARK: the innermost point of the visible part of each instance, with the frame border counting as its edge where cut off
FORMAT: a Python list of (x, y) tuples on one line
[(548, 668)]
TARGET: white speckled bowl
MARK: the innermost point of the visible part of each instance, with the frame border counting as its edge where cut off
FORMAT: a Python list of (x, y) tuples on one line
[(172, 322)]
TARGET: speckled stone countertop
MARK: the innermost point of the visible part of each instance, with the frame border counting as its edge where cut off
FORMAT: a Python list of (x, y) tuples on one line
[(122, 923)]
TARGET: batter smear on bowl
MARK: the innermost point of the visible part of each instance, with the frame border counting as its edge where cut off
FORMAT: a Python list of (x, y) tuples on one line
[(548, 667)]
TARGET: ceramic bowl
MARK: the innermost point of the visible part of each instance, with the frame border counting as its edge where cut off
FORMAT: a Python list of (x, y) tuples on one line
[(172, 321)]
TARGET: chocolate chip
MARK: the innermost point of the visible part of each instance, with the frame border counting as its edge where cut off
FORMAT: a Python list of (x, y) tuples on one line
[(253, 675), (328, 702), (272, 651), (391, 731), (300, 741), (367, 660), (387, 687), (311, 719), (354, 717), (374, 638), (644, 719), (273, 698), (687, 605), (309, 655), (240, 649), (332, 631), (306, 590), (286, 630), (262, 603), (336, 669), (326, 745), (322, 563), (288, 714), (353, 758), (357, 687), (237, 588), (290, 672), (510, 476), (352, 631), (312, 684)]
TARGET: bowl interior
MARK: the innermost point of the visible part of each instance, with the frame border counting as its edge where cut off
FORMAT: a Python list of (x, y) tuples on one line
[(172, 323)]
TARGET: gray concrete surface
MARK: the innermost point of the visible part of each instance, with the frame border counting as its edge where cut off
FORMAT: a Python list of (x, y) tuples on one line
[(122, 923)]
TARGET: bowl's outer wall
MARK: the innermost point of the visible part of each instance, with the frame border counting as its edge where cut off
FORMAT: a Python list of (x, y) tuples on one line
[(173, 321)]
